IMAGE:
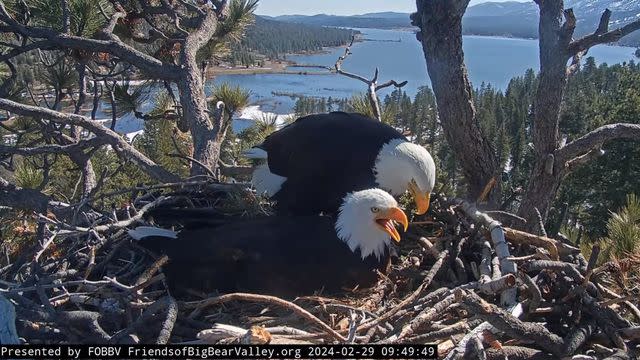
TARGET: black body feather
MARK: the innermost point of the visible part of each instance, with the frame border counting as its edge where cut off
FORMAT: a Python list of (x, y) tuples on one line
[(324, 157), (283, 256)]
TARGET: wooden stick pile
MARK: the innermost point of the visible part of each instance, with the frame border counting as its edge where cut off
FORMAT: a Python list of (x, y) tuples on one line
[(477, 289)]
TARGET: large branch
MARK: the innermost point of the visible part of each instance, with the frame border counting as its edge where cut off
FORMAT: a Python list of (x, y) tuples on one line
[(602, 35), (203, 33), (440, 24), (147, 63), (120, 145), (593, 140)]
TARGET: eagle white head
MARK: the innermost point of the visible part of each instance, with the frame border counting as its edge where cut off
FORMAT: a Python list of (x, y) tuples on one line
[(367, 220), (403, 166)]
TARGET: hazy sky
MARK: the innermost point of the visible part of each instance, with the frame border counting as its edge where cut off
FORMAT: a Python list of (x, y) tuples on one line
[(339, 7)]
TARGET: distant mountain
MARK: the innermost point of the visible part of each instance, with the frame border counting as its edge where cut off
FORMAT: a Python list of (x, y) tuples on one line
[(511, 18), (387, 20), (502, 9), (385, 15), (521, 19)]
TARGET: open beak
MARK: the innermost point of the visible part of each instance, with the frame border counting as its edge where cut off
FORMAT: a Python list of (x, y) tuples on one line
[(421, 199), (386, 219)]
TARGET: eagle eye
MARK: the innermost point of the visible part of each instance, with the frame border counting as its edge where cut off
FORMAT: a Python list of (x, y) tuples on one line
[(375, 209)]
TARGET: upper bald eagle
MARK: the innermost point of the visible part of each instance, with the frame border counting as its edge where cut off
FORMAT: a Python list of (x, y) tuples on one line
[(313, 162), (283, 255)]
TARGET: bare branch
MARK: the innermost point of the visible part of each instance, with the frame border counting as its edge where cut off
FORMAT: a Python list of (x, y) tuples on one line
[(601, 35), (338, 64), (603, 26), (372, 85), (391, 83), (111, 24), (574, 152)]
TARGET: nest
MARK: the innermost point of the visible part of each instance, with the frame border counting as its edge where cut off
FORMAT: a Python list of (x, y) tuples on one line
[(463, 281)]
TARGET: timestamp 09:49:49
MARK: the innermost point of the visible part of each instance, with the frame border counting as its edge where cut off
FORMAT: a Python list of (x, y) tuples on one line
[(377, 351)]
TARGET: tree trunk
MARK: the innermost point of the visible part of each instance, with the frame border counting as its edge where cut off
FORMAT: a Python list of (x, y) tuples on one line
[(206, 145), (440, 23), (547, 172)]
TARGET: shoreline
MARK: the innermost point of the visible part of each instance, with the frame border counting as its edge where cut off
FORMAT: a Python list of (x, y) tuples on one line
[(280, 66)]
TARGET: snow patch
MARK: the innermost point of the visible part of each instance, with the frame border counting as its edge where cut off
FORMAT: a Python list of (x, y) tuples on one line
[(130, 136), (253, 113)]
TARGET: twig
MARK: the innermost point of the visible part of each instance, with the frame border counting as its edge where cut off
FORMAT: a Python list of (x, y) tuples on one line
[(426, 316), (411, 298), (509, 324), (45, 246), (508, 297), (199, 305), (448, 331)]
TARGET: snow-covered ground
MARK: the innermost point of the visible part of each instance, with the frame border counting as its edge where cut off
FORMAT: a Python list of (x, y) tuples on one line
[(130, 136), (254, 113)]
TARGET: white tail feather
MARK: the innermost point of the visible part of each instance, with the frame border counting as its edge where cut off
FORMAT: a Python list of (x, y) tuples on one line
[(256, 153), (265, 182), (142, 232)]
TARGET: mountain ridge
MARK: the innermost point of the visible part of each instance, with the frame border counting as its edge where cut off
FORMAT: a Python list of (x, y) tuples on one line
[(511, 18)]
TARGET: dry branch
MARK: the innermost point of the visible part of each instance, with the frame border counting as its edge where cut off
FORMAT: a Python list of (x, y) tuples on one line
[(508, 296), (509, 324), (199, 305), (372, 84)]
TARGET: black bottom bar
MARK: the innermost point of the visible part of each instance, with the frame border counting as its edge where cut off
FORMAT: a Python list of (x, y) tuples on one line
[(404, 351)]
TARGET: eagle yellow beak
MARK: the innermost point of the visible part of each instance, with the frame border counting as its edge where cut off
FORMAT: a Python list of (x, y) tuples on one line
[(421, 199), (385, 220)]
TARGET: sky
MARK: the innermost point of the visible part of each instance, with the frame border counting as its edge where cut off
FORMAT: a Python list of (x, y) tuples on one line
[(339, 7)]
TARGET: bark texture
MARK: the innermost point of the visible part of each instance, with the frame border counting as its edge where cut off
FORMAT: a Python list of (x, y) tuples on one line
[(440, 34)]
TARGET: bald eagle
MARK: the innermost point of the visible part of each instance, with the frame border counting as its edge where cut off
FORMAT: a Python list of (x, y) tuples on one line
[(283, 255), (313, 162)]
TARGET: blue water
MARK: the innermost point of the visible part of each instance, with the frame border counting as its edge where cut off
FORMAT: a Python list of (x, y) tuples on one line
[(489, 59)]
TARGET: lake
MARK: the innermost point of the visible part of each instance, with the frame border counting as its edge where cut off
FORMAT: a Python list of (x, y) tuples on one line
[(399, 56)]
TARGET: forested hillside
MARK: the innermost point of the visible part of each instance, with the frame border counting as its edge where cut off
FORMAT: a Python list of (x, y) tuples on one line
[(276, 38)]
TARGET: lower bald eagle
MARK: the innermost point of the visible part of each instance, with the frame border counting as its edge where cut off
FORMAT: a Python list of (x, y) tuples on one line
[(282, 255), (313, 162)]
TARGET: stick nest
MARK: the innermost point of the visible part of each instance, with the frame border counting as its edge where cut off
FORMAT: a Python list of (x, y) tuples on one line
[(457, 283)]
